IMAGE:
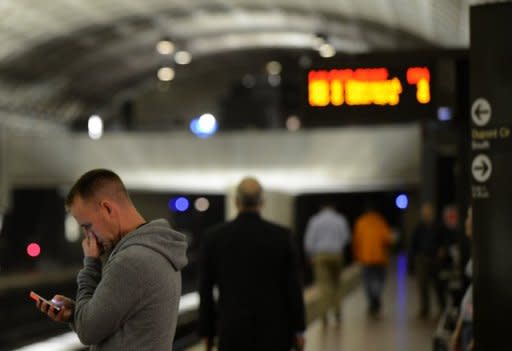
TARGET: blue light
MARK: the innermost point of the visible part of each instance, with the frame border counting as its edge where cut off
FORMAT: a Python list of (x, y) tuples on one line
[(178, 204), (194, 128), (444, 114), (402, 201), (181, 204), (204, 126)]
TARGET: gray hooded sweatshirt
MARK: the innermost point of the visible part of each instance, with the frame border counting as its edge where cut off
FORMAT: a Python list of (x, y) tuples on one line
[(132, 303)]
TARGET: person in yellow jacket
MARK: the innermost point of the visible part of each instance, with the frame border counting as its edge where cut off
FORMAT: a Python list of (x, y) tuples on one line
[(371, 239)]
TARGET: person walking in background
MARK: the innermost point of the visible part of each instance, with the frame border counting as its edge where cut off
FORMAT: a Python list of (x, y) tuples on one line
[(131, 301), (253, 263), (449, 255), (428, 251), (327, 234), (370, 242), (463, 333)]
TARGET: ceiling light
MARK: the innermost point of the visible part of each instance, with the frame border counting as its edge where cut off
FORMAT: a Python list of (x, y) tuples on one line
[(274, 67), (274, 80), (165, 47), (293, 123), (95, 126), (444, 113), (327, 50), (402, 201), (202, 204), (183, 57), (166, 74), (204, 126)]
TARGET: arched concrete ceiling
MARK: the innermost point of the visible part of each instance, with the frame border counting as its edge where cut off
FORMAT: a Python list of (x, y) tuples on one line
[(63, 59)]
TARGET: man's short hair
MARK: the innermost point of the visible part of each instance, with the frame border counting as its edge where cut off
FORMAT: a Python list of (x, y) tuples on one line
[(91, 182), (249, 193)]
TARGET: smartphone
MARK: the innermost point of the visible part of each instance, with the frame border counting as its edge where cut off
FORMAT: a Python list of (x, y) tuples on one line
[(36, 297)]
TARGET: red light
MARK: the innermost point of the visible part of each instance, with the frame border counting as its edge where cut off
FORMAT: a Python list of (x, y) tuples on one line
[(371, 74), (341, 75), (415, 74), (318, 75), (33, 250)]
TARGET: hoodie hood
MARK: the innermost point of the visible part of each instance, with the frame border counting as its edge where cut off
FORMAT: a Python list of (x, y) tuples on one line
[(159, 237)]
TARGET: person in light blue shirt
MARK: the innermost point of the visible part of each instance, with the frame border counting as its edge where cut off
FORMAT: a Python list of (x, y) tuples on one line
[(327, 234)]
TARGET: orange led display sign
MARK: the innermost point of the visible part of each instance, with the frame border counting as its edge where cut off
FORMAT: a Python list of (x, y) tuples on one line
[(365, 86)]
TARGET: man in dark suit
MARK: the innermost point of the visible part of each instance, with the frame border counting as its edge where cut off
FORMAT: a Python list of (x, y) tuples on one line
[(253, 263)]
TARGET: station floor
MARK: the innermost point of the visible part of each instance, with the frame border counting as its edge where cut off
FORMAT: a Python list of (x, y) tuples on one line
[(397, 329)]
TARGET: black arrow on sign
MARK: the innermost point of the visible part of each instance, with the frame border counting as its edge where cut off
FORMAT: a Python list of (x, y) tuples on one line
[(480, 111), (484, 167)]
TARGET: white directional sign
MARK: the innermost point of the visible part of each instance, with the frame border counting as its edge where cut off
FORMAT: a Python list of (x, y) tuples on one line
[(481, 112), (481, 168)]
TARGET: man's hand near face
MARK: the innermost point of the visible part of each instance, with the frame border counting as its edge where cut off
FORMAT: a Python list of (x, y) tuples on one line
[(90, 246)]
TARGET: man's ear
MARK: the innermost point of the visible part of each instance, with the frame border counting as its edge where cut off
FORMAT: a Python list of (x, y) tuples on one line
[(105, 204)]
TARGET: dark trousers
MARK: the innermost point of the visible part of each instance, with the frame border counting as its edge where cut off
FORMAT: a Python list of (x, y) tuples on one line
[(374, 277), (427, 270), (466, 335)]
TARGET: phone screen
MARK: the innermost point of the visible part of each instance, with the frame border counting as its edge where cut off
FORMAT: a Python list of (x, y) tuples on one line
[(36, 297)]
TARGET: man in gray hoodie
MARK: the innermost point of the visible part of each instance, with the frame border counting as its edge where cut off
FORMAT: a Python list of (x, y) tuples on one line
[(131, 301)]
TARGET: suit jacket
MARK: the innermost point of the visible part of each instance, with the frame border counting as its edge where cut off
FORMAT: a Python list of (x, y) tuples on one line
[(254, 265)]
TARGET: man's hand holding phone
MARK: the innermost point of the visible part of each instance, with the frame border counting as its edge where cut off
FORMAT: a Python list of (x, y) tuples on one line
[(60, 308)]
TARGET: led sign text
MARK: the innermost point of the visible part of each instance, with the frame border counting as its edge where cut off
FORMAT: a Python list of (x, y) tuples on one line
[(364, 86)]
